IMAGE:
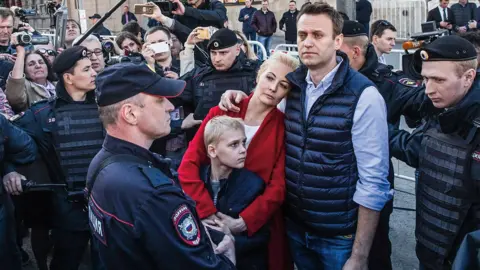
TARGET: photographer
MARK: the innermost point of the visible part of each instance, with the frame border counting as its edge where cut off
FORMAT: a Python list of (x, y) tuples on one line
[(31, 79), (164, 63), (196, 13), (6, 30), (128, 42)]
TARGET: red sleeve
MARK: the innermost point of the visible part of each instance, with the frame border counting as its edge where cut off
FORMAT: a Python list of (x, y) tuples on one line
[(261, 210), (189, 170)]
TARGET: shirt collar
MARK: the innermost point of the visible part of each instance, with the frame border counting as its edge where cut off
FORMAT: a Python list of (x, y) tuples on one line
[(327, 80)]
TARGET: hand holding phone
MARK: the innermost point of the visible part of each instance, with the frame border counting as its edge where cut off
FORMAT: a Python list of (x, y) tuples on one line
[(143, 9)]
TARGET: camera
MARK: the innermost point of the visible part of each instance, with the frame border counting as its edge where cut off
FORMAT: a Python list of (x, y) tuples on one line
[(136, 58), (25, 39), (166, 7), (108, 46), (23, 13), (410, 64)]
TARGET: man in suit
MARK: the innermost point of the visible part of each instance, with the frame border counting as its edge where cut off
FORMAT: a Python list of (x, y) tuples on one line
[(127, 16), (442, 15)]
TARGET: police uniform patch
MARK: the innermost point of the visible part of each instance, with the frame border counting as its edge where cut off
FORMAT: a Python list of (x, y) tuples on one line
[(215, 44), (16, 117), (96, 221), (186, 225), (408, 82), (476, 156)]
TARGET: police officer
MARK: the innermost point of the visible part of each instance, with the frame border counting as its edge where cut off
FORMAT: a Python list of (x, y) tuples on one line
[(228, 69), (139, 217), (392, 86), (68, 133), (16, 147), (446, 151)]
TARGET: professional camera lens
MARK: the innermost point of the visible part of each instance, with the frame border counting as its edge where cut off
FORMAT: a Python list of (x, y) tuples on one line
[(24, 39), (108, 46)]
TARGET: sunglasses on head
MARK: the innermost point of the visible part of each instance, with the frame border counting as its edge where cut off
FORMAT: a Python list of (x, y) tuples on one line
[(385, 23), (49, 52)]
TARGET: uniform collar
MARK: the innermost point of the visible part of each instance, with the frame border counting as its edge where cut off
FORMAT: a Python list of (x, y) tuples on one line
[(119, 146), (63, 94)]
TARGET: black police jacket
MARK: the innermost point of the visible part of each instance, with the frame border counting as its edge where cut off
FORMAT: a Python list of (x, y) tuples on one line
[(205, 85), (140, 219), (39, 121), (236, 193), (402, 95)]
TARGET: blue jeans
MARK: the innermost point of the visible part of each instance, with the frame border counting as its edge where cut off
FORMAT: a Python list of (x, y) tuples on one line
[(250, 35), (312, 252), (266, 42)]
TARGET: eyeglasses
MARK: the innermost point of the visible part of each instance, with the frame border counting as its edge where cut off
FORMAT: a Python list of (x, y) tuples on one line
[(49, 52), (97, 52)]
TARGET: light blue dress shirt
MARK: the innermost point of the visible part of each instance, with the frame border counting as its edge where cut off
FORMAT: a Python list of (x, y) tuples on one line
[(369, 138)]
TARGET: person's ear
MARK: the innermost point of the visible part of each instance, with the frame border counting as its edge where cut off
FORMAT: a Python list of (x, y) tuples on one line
[(130, 114), (211, 151), (67, 78)]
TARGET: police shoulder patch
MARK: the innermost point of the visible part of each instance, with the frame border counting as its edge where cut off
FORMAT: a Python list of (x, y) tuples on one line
[(408, 82), (186, 225)]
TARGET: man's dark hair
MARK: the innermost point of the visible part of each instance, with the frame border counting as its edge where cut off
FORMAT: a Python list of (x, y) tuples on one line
[(5, 13), (156, 29), (75, 22), (379, 27), (127, 35), (473, 37), (50, 74), (293, 1), (132, 27), (319, 8)]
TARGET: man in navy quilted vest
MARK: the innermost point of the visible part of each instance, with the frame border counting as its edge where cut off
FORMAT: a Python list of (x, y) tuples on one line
[(337, 158)]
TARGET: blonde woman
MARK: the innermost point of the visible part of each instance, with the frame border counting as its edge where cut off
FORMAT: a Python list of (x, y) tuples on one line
[(264, 128)]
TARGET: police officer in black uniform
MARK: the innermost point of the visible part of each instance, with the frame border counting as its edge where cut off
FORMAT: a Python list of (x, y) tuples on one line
[(229, 68), (16, 147), (446, 151), (393, 86), (68, 133), (139, 217)]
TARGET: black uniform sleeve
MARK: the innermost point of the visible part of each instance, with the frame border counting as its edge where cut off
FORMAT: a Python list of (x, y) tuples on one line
[(173, 236), (407, 101), (405, 146), (19, 147), (216, 16)]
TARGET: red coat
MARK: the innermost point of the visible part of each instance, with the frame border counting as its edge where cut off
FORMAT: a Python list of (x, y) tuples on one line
[(266, 158)]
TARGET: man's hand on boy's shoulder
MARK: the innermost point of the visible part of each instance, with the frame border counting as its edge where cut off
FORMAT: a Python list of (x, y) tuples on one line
[(236, 225)]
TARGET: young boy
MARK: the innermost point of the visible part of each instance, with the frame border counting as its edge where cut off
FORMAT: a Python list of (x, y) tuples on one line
[(232, 187)]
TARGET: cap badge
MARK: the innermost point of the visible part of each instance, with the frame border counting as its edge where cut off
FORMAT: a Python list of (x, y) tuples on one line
[(215, 44), (424, 55), (84, 53)]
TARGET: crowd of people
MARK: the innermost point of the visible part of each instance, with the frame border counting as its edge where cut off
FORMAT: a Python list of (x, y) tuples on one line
[(194, 151)]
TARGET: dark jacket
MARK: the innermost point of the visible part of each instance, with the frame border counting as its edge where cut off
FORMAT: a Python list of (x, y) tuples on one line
[(246, 27), (321, 169), (140, 219), (131, 17), (363, 11), (467, 255), (237, 193), (434, 15), (463, 14), (289, 19), (102, 30), (264, 23)]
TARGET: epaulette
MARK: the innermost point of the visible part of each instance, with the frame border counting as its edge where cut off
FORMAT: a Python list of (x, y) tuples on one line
[(408, 82), (38, 102), (476, 122), (16, 117), (155, 176)]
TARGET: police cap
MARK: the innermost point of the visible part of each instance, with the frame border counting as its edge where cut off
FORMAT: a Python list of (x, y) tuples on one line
[(125, 80), (449, 48), (353, 29), (221, 39), (68, 58)]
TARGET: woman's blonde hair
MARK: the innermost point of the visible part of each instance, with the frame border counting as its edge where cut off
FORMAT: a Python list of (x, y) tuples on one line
[(278, 57), (250, 53)]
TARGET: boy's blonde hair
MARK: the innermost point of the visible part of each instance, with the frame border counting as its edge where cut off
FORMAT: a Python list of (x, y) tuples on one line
[(218, 125)]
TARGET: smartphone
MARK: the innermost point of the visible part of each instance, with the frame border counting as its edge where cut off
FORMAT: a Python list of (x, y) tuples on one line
[(177, 114), (160, 47), (143, 9), (203, 33)]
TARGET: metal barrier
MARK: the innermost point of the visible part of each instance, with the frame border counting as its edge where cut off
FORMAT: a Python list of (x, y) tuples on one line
[(254, 43), (290, 49), (406, 15)]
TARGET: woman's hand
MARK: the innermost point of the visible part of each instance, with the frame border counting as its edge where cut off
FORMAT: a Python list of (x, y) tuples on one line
[(193, 37), (235, 225), (14, 41), (229, 98), (157, 13), (171, 75)]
